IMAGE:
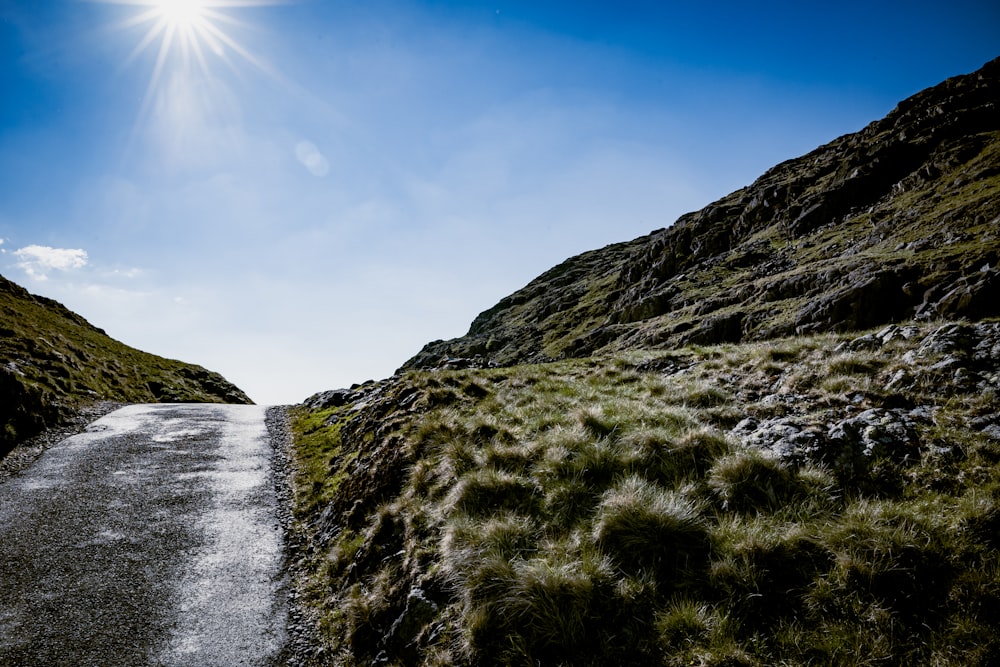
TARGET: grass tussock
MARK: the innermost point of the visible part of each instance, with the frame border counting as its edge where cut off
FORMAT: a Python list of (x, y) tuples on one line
[(489, 491), (753, 481), (644, 527)]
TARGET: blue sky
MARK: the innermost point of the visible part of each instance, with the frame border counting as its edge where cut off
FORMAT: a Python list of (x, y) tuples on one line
[(334, 183)]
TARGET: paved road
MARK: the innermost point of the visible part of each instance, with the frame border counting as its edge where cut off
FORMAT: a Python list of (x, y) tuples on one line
[(150, 539)]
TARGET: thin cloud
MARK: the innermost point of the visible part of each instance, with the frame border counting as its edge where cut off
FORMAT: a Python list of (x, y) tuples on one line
[(38, 260)]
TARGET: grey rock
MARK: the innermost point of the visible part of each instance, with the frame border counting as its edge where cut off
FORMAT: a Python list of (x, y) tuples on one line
[(951, 339), (901, 380), (878, 433), (745, 427), (949, 363), (417, 614), (865, 300), (725, 328), (965, 379), (922, 413), (324, 400), (784, 437), (869, 342), (987, 349), (974, 296), (890, 333)]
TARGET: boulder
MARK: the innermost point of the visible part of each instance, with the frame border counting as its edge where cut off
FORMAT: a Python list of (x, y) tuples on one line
[(950, 339), (785, 438), (324, 400), (724, 328), (877, 434)]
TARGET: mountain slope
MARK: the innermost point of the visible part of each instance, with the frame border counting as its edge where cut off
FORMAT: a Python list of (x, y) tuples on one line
[(664, 495), (899, 220), (52, 362)]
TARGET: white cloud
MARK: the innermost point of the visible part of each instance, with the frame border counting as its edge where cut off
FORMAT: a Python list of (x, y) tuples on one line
[(38, 260), (311, 158)]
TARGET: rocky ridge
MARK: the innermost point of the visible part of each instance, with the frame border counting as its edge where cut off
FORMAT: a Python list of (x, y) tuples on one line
[(899, 220)]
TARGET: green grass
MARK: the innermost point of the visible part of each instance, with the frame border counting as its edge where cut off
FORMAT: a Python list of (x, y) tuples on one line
[(585, 512), (645, 528), (321, 463), (752, 481)]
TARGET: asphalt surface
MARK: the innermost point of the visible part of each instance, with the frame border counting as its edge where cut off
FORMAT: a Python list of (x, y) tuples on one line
[(149, 539)]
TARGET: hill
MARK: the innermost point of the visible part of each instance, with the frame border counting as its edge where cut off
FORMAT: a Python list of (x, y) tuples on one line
[(769, 434), (899, 220), (53, 362)]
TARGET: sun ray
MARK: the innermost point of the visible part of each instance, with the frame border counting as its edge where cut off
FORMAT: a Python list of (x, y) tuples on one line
[(154, 79), (190, 34), (150, 37), (189, 40), (181, 13), (234, 45)]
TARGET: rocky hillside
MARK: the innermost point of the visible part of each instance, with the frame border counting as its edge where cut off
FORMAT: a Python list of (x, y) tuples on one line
[(769, 434), (818, 500), (53, 362), (899, 220)]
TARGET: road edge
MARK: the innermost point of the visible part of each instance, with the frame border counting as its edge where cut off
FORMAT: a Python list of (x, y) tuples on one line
[(303, 648), (26, 453)]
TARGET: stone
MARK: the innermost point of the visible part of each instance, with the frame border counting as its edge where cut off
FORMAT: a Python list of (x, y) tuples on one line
[(782, 437), (724, 328), (922, 413), (865, 300), (324, 400), (889, 334), (901, 380), (878, 433), (987, 348), (952, 339), (417, 614), (974, 296), (866, 343), (949, 363), (965, 379)]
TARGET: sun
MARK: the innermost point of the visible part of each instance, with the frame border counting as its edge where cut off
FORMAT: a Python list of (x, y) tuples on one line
[(181, 13), (188, 36)]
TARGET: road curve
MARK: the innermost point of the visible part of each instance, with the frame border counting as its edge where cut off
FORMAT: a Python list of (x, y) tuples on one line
[(149, 539)]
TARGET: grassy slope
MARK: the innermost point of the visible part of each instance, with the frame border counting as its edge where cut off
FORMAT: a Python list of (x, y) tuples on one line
[(52, 361), (606, 510)]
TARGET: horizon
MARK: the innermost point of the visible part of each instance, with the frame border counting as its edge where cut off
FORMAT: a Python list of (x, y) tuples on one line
[(300, 195)]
